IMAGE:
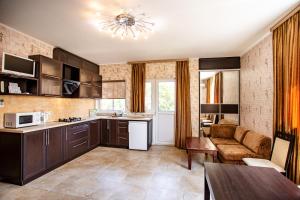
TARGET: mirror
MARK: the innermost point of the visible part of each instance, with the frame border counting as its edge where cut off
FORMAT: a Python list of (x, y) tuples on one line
[(219, 97)]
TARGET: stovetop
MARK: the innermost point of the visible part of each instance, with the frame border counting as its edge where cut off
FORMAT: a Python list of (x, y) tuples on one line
[(70, 119)]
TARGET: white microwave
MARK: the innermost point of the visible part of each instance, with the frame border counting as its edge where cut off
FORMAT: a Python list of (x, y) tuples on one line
[(19, 120)]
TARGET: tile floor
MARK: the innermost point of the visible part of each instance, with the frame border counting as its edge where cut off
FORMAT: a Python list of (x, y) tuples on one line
[(111, 173)]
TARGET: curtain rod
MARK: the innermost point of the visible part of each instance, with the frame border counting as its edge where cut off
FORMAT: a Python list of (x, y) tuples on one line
[(285, 17), (157, 61)]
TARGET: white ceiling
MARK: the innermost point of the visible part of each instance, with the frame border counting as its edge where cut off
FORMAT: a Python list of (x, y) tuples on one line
[(191, 28)]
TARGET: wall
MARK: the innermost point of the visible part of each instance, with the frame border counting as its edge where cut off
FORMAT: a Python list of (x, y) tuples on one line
[(20, 44), (257, 88), (156, 71)]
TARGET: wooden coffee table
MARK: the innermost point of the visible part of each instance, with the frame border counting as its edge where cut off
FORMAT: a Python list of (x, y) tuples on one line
[(200, 145)]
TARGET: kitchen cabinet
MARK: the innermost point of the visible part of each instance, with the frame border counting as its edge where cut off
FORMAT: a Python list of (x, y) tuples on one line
[(34, 154), (86, 91), (55, 146), (90, 80), (49, 72), (104, 132), (123, 136), (94, 137), (77, 139), (114, 133)]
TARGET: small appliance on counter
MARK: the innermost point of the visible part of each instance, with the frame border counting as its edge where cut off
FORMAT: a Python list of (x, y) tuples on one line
[(19, 120), (70, 119)]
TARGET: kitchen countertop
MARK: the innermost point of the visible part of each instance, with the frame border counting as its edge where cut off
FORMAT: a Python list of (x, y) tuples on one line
[(59, 124)]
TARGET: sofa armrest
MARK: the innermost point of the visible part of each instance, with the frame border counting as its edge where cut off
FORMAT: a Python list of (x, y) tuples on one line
[(222, 130)]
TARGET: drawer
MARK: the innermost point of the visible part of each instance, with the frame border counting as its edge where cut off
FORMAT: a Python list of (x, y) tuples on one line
[(78, 127), (123, 124), (77, 147), (75, 135)]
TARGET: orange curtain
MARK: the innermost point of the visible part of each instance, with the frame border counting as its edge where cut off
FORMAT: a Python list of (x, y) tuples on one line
[(138, 79), (286, 59), (208, 90), (183, 122), (217, 90)]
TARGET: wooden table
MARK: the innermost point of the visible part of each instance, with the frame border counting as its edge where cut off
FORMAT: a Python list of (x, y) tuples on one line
[(238, 182), (200, 145)]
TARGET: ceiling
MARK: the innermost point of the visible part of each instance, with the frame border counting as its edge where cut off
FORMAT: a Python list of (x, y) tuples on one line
[(191, 28)]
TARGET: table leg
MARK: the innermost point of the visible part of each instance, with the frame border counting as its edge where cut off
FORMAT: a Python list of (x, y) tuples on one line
[(206, 190), (189, 159), (214, 157)]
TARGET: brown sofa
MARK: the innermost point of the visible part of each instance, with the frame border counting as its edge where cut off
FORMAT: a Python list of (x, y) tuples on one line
[(235, 142)]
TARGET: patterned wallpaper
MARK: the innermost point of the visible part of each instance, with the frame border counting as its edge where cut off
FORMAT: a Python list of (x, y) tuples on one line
[(257, 88), (15, 42), (155, 71)]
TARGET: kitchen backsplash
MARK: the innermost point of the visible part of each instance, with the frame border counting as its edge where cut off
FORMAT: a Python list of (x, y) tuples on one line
[(59, 107)]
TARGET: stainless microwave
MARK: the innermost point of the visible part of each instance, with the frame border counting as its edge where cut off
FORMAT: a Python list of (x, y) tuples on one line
[(19, 120)]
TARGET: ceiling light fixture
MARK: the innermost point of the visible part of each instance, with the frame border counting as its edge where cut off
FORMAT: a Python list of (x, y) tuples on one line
[(126, 25)]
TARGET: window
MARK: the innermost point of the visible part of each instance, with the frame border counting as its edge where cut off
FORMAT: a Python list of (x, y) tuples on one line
[(108, 105), (148, 96), (166, 96)]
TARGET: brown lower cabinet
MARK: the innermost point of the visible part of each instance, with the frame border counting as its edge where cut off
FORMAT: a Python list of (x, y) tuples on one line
[(34, 154), (26, 156), (114, 133)]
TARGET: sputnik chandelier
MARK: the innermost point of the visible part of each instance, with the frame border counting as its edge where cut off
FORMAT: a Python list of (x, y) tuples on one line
[(127, 24)]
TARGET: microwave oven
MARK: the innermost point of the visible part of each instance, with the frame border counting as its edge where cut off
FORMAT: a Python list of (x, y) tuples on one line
[(19, 120)]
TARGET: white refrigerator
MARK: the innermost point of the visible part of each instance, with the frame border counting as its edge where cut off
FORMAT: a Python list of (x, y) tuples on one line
[(138, 135)]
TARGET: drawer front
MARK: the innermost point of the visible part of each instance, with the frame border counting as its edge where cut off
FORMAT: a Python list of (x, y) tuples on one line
[(75, 135), (78, 127), (77, 147), (123, 124)]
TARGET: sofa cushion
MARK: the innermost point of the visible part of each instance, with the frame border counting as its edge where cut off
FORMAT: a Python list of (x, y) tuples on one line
[(239, 133), (258, 143), (222, 131), (235, 152), (218, 141)]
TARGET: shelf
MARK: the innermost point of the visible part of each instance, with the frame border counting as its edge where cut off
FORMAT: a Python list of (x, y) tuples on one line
[(17, 76)]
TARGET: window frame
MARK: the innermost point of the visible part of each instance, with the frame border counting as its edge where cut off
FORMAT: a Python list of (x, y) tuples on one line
[(98, 105)]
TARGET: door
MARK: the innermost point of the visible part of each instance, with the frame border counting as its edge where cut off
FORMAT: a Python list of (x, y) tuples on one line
[(94, 138), (34, 154), (165, 112), (54, 141)]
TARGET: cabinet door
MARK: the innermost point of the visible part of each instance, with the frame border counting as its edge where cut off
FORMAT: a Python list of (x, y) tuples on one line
[(86, 76), (104, 132), (123, 135), (97, 92), (113, 137), (50, 86), (86, 91), (50, 67), (55, 152), (94, 138), (34, 154)]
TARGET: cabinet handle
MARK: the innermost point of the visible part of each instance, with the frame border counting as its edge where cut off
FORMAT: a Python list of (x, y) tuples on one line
[(79, 144), (48, 138)]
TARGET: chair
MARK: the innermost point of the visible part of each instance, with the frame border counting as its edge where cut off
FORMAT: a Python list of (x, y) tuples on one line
[(281, 154)]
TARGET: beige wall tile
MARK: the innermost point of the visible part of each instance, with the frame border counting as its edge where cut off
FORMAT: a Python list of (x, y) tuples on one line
[(257, 88), (21, 44)]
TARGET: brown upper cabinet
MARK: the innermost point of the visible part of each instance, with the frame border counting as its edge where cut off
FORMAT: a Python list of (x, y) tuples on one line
[(90, 80), (49, 72)]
